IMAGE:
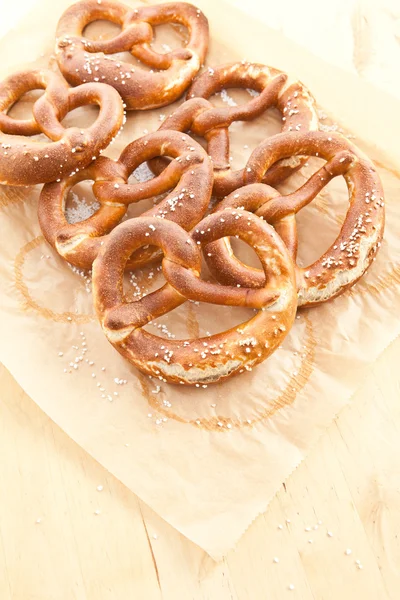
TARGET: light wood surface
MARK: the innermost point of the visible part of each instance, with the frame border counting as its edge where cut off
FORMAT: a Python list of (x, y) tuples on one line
[(53, 545), (350, 482)]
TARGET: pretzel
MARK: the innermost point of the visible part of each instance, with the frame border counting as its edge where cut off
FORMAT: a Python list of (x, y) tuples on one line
[(25, 162), (215, 357), (199, 115), (83, 60), (189, 176), (359, 238)]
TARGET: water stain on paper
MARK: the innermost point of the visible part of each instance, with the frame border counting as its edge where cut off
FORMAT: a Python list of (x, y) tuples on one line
[(219, 422)]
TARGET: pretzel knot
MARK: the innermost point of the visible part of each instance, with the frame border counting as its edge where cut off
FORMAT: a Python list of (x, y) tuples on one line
[(209, 359), (200, 116), (81, 59), (189, 176), (24, 162), (359, 238)]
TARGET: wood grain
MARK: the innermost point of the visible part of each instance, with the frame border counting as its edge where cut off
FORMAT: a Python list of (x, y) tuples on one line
[(350, 480), (350, 484)]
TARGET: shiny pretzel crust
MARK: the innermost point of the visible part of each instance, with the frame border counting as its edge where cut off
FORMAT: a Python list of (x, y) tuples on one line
[(361, 232), (198, 114), (82, 60), (213, 358), (188, 180), (27, 162)]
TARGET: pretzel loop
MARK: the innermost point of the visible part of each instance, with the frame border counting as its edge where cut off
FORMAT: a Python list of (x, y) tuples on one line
[(137, 33), (199, 115), (212, 228), (120, 316), (79, 242), (153, 16), (355, 247), (82, 60), (68, 149), (204, 360), (52, 106)]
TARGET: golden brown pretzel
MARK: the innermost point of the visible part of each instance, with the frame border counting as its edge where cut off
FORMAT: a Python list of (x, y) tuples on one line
[(83, 60), (199, 115), (27, 162), (212, 358), (361, 233), (189, 176)]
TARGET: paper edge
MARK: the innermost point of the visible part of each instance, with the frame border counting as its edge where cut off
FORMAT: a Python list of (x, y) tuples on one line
[(219, 557), (388, 161)]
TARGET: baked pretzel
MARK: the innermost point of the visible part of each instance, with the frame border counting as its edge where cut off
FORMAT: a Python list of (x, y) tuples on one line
[(359, 238), (189, 176), (27, 162), (200, 116), (81, 59), (215, 357)]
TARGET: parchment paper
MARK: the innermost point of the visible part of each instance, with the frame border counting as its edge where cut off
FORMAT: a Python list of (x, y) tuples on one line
[(207, 460)]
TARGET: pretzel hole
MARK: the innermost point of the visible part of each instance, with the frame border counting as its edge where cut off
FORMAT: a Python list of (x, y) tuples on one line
[(169, 37), (80, 203), (82, 117), (22, 108), (318, 223), (196, 320), (127, 57), (192, 319), (245, 253), (232, 96), (137, 209), (102, 29), (142, 174), (244, 136), (140, 282)]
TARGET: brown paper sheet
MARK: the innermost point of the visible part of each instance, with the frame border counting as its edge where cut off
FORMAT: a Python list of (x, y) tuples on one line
[(209, 460)]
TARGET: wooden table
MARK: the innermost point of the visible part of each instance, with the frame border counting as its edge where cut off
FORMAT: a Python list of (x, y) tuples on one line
[(70, 531), (63, 539)]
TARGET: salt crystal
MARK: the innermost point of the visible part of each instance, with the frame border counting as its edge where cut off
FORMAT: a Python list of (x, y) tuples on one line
[(81, 210)]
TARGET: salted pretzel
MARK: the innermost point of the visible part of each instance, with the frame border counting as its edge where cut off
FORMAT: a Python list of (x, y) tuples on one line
[(189, 176), (208, 359), (200, 116), (27, 162), (81, 59), (359, 238)]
